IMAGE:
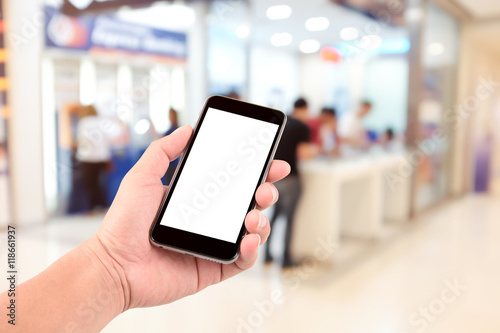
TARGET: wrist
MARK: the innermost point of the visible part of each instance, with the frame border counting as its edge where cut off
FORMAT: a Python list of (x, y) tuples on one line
[(114, 289)]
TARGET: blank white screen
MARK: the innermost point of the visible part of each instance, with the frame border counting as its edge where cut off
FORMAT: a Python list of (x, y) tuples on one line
[(220, 175)]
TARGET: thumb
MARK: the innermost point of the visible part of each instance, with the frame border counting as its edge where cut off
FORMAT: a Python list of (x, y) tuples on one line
[(156, 158)]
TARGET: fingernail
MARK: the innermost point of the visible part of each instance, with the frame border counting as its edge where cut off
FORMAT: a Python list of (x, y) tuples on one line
[(261, 221), (275, 192), (180, 129)]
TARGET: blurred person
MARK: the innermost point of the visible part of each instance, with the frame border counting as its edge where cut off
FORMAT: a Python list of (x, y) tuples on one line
[(173, 117), (389, 141), (94, 154), (301, 112), (174, 125), (119, 132), (116, 132), (66, 158), (327, 136), (234, 95), (119, 264), (3, 152), (351, 129), (387, 137), (294, 145)]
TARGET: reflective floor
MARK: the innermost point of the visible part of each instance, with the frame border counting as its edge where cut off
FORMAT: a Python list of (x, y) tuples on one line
[(439, 275)]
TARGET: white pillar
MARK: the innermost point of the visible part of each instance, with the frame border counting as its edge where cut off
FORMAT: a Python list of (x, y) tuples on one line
[(197, 76), (24, 41)]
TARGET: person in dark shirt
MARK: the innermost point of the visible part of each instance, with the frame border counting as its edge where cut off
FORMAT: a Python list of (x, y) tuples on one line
[(295, 133), (294, 145)]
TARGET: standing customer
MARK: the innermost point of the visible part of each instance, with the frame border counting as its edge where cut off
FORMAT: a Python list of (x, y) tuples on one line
[(352, 130), (295, 144), (94, 154)]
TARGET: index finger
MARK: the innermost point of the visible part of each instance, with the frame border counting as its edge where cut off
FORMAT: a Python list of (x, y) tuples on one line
[(277, 171)]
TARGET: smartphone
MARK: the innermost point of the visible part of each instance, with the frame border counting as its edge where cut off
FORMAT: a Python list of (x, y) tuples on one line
[(213, 188)]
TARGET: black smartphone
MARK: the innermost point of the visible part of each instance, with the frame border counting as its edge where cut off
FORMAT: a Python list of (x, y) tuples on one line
[(213, 188)]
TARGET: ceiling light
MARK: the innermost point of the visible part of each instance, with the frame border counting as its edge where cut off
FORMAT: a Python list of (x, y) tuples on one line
[(435, 49), (349, 33), (243, 31), (309, 46), (279, 12), (281, 39), (370, 42), (317, 24), (414, 14)]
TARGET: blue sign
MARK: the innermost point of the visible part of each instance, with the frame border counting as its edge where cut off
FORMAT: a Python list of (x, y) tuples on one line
[(109, 33)]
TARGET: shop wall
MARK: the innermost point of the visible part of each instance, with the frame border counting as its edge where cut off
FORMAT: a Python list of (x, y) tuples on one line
[(495, 166), (387, 92), (274, 77), (331, 84), (343, 85), (227, 62)]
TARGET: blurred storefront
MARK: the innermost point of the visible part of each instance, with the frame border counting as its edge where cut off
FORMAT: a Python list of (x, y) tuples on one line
[(132, 73), (134, 64), (380, 223)]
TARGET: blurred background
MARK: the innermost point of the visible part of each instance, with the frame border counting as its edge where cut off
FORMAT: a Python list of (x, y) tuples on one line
[(395, 226)]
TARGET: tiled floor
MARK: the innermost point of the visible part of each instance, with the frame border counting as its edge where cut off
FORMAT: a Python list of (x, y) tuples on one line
[(404, 284)]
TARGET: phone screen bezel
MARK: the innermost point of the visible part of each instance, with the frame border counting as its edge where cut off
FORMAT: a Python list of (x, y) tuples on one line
[(204, 246)]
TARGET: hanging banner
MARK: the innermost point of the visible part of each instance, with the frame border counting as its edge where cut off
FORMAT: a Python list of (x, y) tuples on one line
[(88, 33)]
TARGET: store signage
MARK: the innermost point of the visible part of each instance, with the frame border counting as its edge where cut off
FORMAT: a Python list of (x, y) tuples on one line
[(86, 33)]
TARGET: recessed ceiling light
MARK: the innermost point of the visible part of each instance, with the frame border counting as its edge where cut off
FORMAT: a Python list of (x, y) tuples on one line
[(370, 42), (281, 39), (317, 24), (279, 12), (349, 33), (414, 14), (435, 49), (309, 46), (243, 31)]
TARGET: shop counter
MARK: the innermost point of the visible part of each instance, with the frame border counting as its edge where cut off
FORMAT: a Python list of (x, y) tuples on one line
[(348, 197)]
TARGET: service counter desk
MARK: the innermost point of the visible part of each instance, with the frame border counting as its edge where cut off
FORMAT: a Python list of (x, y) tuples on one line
[(348, 197)]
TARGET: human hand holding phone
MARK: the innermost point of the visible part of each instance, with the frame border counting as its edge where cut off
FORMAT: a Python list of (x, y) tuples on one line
[(119, 268), (149, 275)]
